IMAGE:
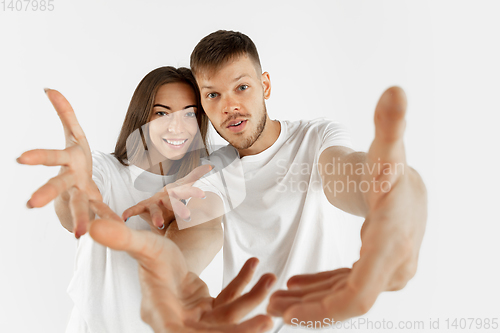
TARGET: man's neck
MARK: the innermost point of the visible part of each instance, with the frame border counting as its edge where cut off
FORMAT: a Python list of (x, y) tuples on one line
[(267, 138)]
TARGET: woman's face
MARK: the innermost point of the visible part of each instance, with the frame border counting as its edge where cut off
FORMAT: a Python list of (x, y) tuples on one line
[(173, 125)]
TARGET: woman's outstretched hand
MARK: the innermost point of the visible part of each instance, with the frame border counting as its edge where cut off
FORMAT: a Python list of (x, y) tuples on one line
[(162, 208), (175, 300), (73, 187)]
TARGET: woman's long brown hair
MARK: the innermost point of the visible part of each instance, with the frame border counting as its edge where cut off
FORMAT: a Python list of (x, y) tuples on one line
[(140, 111)]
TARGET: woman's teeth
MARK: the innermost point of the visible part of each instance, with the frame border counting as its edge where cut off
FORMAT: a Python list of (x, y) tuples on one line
[(175, 142)]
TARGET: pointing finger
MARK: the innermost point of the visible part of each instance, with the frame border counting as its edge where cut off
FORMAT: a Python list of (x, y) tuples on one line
[(47, 157)]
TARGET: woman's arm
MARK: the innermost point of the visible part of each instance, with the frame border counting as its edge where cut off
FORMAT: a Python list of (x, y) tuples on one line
[(73, 187)]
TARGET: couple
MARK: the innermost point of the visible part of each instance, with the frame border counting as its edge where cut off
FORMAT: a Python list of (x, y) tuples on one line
[(289, 231)]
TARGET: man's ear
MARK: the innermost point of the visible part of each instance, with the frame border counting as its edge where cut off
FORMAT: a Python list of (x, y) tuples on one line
[(266, 84)]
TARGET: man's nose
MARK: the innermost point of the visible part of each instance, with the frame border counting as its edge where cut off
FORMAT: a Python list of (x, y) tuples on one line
[(230, 104)]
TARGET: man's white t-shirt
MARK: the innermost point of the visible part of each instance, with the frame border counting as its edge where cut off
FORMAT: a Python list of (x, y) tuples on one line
[(281, 214), (105, 287)]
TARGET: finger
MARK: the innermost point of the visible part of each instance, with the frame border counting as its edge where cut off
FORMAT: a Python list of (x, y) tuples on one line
[(185, 192), (193, 176), (324, 285), (156, 215), (256, 324), (304, 280), (238, 284), (241, 306), (179, 208), (47, 157), (387, 149), (79, 206), (153, 252), (52, 189), (66, 114), (260, 323), (341, 305), (390, 115), (138, 209), (103, 210)]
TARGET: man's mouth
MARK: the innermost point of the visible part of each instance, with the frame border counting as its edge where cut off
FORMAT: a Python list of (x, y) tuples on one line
[(236, 125)]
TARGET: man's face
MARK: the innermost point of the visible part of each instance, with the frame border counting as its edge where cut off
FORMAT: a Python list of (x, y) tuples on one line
[(233, 98)]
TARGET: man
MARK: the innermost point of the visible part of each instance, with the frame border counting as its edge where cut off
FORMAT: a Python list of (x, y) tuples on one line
[(283, 219)]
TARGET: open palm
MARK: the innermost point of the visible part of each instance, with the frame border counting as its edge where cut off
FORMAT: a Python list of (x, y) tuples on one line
[(175, 300), (391, 234)]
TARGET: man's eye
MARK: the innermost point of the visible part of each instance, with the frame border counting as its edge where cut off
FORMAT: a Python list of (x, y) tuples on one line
[(212, 95), (191, 114), (243, 87)]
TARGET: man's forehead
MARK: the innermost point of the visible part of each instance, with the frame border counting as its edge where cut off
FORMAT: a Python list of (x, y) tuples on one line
[(229, 72)]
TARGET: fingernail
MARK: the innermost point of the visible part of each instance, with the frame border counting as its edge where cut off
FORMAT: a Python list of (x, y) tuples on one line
[(264, 327), (188, 219), (128, 218), (46, 89), (29, 205), (18, 160), (255, 263), (204, 197)]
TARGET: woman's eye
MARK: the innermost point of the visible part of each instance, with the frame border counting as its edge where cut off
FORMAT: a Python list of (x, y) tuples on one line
[(212, 95), (243, 87), (161, 113), (191, 114)]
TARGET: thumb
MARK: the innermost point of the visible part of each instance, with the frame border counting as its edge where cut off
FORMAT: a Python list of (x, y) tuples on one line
[(390, 125), (153, 252)]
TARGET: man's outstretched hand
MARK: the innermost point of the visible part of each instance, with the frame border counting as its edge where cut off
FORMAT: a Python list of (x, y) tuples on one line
[(391, 234), (73, 187), (175, 300)]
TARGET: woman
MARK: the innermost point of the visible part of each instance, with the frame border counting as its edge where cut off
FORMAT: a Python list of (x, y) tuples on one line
[(162, 139)]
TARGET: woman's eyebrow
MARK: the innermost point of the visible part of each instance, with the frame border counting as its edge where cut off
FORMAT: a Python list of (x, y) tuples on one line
[(163, 106)]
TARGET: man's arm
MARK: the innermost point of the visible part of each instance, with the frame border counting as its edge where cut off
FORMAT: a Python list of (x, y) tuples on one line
[(200, 243), (391, 236), (339, 168)]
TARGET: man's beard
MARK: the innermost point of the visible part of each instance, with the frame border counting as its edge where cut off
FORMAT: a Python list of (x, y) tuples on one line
[(248, 142)]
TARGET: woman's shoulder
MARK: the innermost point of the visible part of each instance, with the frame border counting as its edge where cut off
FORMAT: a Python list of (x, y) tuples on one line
[(105, 160)]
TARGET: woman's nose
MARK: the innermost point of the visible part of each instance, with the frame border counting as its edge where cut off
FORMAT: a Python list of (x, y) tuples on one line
[(175, 123)]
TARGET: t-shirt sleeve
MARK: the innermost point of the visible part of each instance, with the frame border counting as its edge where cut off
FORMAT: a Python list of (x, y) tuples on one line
[(226, 179), (333, 134), (100, 174)]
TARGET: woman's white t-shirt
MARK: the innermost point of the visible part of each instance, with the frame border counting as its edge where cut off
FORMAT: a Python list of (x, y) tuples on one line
[(105, 286)]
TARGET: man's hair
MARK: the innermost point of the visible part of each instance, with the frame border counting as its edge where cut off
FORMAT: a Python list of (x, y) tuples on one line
[(220, 47)]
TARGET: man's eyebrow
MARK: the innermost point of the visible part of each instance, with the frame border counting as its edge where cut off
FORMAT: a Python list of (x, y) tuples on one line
[(190, 106), (236, 79)]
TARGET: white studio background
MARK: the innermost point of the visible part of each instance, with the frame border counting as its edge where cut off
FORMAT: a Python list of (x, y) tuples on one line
[(326, 59)]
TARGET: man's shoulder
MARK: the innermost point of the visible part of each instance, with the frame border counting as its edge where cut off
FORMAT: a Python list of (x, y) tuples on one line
[(312, 126), (222, 156)]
